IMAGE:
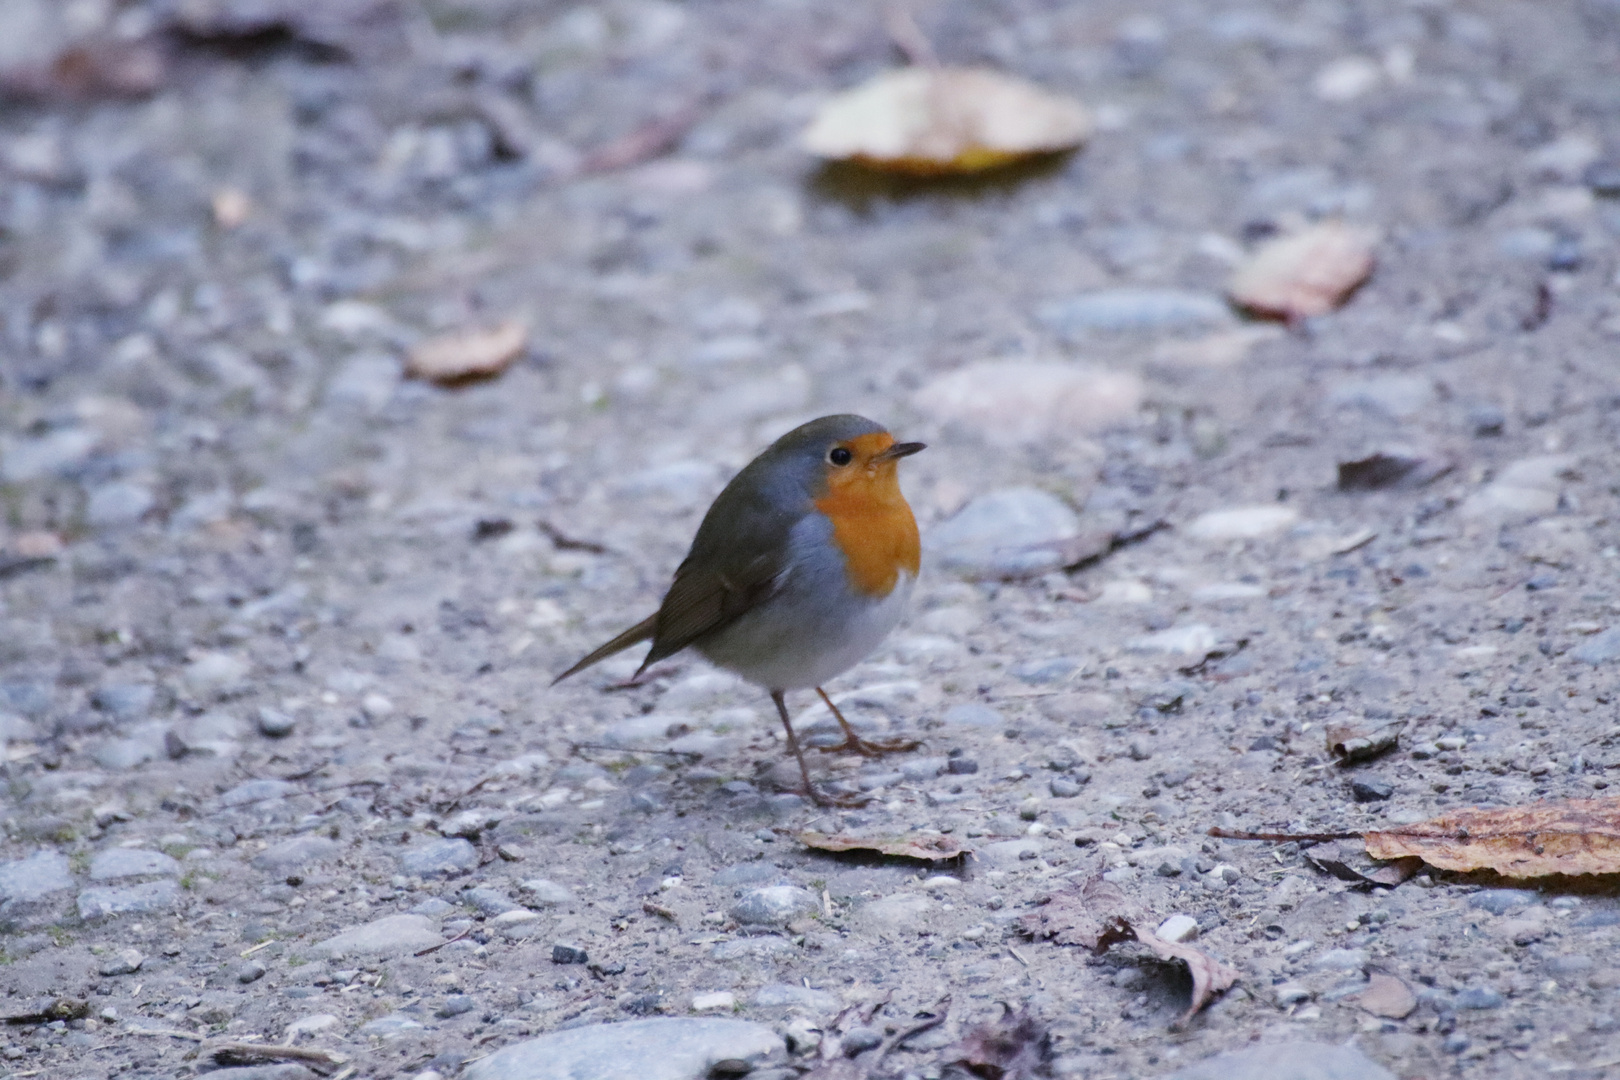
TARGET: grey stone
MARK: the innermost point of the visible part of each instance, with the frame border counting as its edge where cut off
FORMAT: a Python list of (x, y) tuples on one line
[(489, 901), (117, 503), (124, 701), (748, 873), (1039, 672), (249, 971), (1599, 648), (659, 1049), (147, 742), (547, 893), (1014, 532), (1397, 397), (455, 1005), (1127, 309), (433, 908), (390, 1026), (115, 863), (962, 766), (124, 961), (101, 903), (1287, 1061), (1011, 852), (35, 877), (1342, 960), (59, 451), (389, 935), (1478, 997), (275, 724), (296, 853), (923, 768), (774, 905), (972, 714), (564, 953), (858, 1040), (285, 1071), (255, 791), (447, 857), (1500, 901), (787, 995), (1064, 787)]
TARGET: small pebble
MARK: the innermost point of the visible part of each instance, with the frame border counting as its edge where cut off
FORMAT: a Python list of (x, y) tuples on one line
[(962, 766), (1370, 790), (274, 724), (124, 961), (1063, 787), (456, 1004), (249, 971), (568, 954)]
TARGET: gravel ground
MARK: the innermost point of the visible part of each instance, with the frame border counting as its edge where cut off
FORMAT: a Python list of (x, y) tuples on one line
[(277, 626)]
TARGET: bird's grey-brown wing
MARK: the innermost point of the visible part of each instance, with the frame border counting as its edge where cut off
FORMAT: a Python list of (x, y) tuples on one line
[(737, 560)]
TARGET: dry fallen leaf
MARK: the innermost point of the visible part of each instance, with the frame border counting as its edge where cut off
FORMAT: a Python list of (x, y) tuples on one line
[(1356, 741), (468, 354), (1571, 836), (1305, 274), (932, 847), (1097, 915), (1094, 914), (1209, 975), (1392, 469), (1348, 860), (931, 121), (1016, 1047), (1387, 996)]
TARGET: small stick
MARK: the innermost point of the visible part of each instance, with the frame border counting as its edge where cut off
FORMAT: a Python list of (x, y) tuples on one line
[(908, 36), (169, 1032), (943, 1010), (447, 941), (634, 749), (1316, 837), (260, 945), (236, 1052), (661, 911)]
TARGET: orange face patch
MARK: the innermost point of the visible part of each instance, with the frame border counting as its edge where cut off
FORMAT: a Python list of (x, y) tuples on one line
[(872, 524)]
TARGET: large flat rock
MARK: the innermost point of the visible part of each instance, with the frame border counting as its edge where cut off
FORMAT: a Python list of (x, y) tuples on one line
[(662, 1049)]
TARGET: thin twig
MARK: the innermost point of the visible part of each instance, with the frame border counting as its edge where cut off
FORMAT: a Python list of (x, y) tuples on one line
[(1281, 837), (908, 37), (447, 941), (693, 754), (941, 1011), (661, 911)]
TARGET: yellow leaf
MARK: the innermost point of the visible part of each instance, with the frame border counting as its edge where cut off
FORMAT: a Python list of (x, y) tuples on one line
[(931, 121)]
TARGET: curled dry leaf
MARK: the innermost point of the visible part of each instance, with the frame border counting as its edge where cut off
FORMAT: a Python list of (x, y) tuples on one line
[(932, 847), (468, 354), (933, 121), (1096, 914), (1350, 741), (1305, 274), (1209, 975), (1569, 836), (1016, 1047), (1348, 860), (1392, 469)]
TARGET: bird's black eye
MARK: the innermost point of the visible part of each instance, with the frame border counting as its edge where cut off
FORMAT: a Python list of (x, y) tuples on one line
[(840, 456)]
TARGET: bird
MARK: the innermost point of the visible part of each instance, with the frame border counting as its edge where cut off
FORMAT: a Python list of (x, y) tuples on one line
[(799, 570)]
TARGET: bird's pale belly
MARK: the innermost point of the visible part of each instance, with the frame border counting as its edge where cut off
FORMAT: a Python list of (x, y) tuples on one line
[(801, 639)]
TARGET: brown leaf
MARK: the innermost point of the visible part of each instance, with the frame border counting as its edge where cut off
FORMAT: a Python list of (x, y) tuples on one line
[(90, 70), (468, 354), (1348, 860), (932, 847), (1308, 273), (932, 121), (1570, 836), (1209, 975), (1097, 915), (1351, 741), (1392, 469), (1387, 996), (1016, 1047), (1094, 914)]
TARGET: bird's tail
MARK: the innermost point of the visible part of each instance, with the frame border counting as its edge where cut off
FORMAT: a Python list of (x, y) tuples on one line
[(640, 632)]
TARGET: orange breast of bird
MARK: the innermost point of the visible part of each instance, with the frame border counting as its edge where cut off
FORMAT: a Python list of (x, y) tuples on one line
[(872, 524)]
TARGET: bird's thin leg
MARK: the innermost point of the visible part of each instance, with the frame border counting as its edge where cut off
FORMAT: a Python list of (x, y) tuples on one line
[(869, 747), (804, 770)]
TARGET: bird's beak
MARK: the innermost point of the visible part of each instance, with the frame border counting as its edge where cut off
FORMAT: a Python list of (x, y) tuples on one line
[(898, 451)]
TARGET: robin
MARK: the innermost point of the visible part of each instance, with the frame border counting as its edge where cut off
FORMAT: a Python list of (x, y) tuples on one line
[(800, 569)]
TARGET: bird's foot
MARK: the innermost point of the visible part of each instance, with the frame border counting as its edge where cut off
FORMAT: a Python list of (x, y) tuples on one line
[(872, 747), (831, 799)]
